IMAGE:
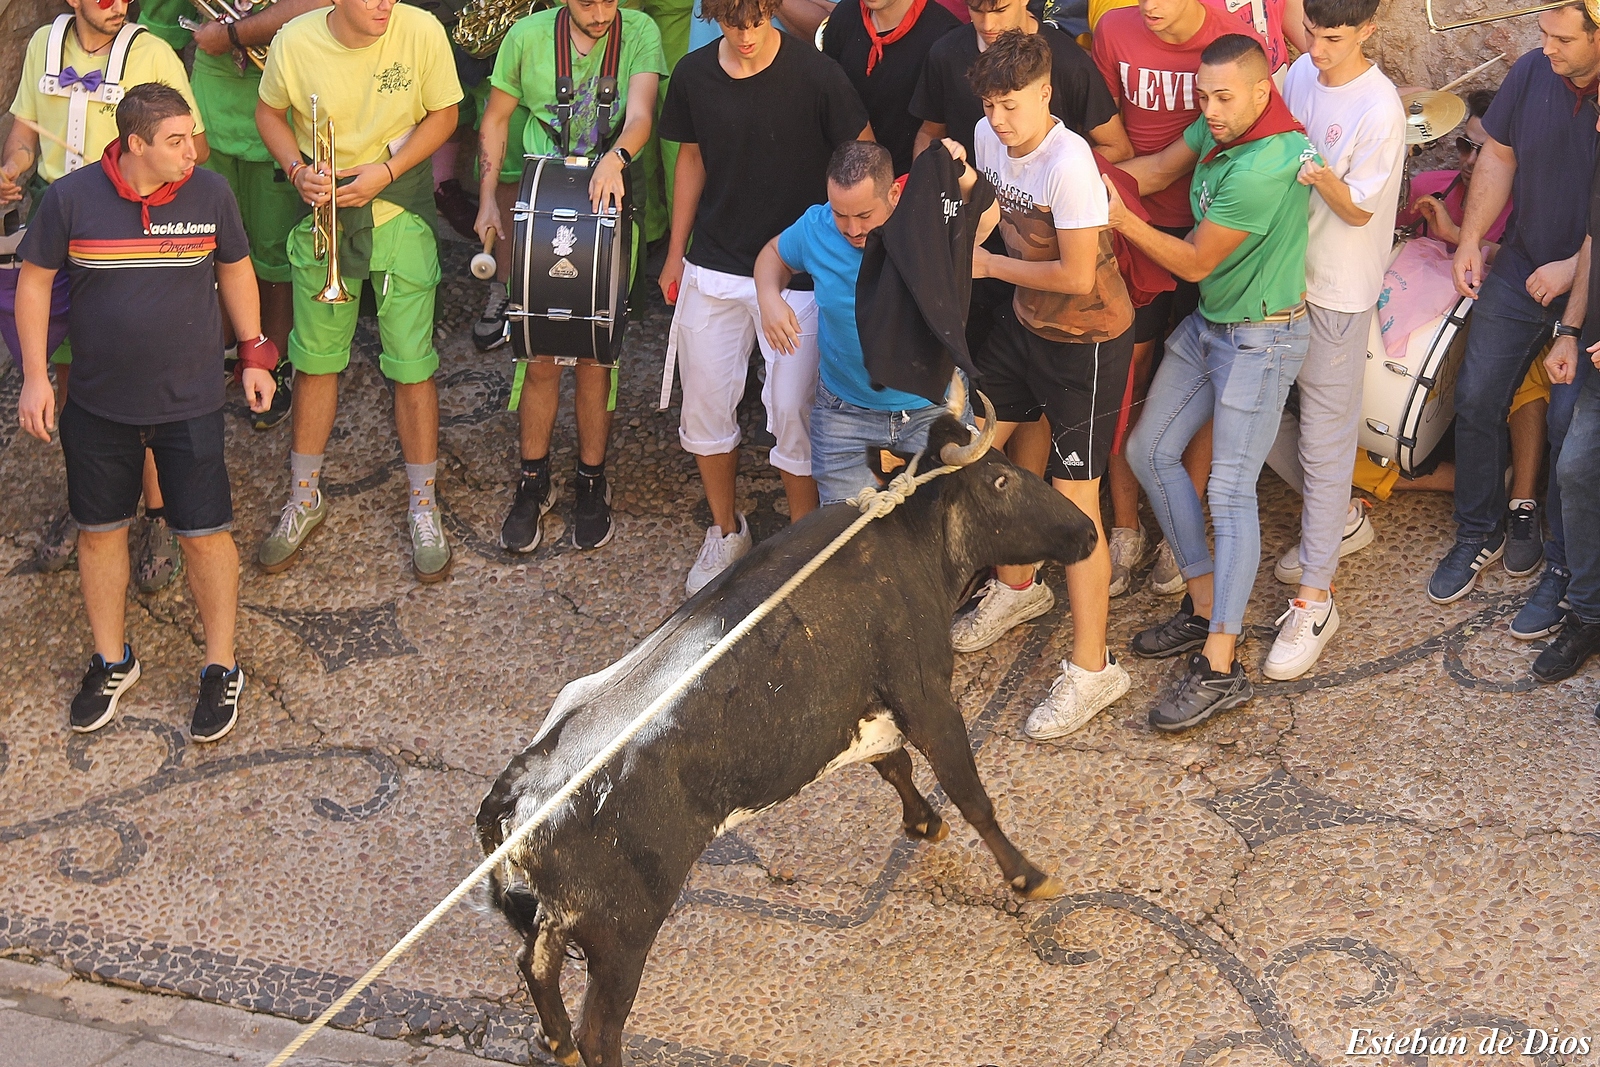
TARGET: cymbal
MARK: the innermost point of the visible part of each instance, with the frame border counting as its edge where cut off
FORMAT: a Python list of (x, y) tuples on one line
[(1430, 114)]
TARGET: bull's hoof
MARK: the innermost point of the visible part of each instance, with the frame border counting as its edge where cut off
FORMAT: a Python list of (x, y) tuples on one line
[(933, 830), (1045, 887), (567, 1058)]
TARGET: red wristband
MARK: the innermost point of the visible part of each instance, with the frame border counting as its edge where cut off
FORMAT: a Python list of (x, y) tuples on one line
[(260, 354)]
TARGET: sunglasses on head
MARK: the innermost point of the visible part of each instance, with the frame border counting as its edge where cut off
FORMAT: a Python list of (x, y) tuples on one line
[(1464, 144)]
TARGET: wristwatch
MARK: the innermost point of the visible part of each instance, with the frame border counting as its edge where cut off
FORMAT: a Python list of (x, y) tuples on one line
[(1561, 329), (622, 154)]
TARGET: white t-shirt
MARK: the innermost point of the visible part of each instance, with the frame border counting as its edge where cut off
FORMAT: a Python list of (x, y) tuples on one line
[(1057, 186), (1360, 130)]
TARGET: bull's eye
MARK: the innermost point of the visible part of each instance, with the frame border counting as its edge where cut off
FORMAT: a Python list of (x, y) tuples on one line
[(1000, 482)]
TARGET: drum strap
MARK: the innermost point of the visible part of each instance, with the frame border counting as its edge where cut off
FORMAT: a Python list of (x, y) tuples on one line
[(565, 92)]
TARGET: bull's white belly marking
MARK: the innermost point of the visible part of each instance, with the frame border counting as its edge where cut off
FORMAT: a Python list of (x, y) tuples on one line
[(876, 736)]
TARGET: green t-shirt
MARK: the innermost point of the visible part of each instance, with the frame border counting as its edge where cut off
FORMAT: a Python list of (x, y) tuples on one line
[(526, 68), (1252, 187), (227, 102), (161, 18)]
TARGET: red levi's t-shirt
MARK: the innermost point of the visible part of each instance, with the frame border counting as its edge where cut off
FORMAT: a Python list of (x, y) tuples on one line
[(1153, 82)]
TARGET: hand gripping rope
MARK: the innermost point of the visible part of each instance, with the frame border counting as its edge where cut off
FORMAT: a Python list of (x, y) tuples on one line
[(874, 504)]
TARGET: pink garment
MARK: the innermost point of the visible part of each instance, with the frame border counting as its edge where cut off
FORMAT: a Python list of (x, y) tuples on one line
[(1437, 181), (1417, 289), (958, 8), (1271, 34)]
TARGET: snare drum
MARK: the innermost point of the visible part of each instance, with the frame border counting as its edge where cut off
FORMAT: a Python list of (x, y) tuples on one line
[(570, 267), (1407, 403)]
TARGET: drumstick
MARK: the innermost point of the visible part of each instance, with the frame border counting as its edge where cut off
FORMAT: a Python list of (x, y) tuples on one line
[(483, 263), (42, 132), (1479, 69)]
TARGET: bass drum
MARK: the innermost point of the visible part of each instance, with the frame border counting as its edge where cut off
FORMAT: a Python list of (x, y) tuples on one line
[(1409, 402), (570, 267)]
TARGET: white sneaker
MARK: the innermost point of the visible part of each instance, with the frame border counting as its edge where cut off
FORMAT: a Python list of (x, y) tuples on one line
[(1304, 629), (999, 609), (717, 554), (1127, 550), (1358, 534), (1165, 577), (1076, 697)]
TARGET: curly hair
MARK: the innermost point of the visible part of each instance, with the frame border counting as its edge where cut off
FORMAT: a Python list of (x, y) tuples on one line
[(1016, 59), (741, 14)]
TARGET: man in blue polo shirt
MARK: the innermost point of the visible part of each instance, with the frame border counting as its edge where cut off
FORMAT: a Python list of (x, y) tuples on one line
[(849, 415), (1542, 137)]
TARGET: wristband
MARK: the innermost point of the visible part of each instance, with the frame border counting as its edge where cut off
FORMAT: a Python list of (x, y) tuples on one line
[(295, 168), (259, 354), (233, 36), (390, 170)]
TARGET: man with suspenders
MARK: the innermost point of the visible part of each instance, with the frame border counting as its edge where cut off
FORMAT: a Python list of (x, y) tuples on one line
[(75, 71), (588, 74)]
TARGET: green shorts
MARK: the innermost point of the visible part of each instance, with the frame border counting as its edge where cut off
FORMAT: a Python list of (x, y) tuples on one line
[(405, 275), (269, 206)]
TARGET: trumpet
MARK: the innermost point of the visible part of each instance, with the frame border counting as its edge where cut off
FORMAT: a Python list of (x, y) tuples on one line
[(226, 13), (325, 217)]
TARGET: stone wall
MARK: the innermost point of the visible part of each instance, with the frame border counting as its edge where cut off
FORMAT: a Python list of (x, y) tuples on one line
[(1412, 54), (18, 20)]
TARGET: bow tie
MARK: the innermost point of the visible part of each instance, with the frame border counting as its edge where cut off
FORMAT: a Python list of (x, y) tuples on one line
[(90, 81)]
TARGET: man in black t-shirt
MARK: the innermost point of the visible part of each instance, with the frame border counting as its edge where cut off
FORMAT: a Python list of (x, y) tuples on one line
[(885, 61), (757, 115), (947, 106), (148, 242)]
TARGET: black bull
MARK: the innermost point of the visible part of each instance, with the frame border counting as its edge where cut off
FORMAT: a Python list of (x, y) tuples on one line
[(854, 664)]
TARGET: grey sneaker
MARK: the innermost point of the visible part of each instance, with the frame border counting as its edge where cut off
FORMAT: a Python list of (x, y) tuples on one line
[(1166, 578), (430, 551), (1127, 551), (159, 558), (1000, 608), (1200, 694), (58, 543), (295, 526)]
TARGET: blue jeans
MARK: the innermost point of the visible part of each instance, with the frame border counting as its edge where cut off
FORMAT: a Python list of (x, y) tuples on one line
[(841, 433), (1235, 376), (1578, 472), (1563, 399), (1507, 330)]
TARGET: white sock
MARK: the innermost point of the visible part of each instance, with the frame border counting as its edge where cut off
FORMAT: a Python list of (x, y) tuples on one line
[(1515, 504)]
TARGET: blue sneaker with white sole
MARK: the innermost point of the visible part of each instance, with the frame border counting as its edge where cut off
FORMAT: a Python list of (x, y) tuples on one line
[(1546, 608), (1457, 573)]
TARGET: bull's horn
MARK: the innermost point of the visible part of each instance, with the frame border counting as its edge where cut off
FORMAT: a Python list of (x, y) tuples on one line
[(955, 455), (957, 402)]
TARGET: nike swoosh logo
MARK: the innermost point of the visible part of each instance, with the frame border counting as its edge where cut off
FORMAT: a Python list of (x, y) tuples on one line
[(1318, 627)]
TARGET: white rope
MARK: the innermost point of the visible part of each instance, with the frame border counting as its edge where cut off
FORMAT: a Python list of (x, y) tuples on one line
[(874, 504)]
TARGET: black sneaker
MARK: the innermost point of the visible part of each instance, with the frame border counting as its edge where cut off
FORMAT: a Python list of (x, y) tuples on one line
[(490, 332), (1183, 631), (282, 398), (103, 685), (1565, 655), (520, 531), (1524, 541), (217, 708), (591, 520), (1200, 694)]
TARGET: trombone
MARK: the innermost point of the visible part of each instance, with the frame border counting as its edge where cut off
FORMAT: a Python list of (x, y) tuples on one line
[(325, 217), (1437, 27), (221, 11)]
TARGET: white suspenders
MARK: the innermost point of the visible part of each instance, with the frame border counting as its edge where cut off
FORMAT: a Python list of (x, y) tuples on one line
[(109, 91)]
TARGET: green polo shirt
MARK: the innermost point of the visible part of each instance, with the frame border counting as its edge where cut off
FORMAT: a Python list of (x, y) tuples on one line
[(1252, 187)]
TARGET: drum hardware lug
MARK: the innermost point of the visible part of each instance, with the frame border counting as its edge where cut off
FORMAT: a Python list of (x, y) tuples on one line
[(564, 361), (1377, 427), (1382, 461), (564, 214), (609, 222), (558, 314), (1395, 368), (581, 162)]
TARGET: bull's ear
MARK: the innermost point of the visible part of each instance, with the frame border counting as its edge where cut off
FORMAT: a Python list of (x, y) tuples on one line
[(887, 462)]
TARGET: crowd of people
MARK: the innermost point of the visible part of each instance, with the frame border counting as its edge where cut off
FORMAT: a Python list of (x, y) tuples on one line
[(1185, 227)]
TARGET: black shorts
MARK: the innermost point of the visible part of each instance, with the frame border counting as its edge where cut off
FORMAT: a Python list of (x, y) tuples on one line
[(105, 471), (1156, 319), (1079, 387)]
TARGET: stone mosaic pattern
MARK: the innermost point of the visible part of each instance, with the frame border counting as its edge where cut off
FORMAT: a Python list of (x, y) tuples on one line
[(1406, 839)]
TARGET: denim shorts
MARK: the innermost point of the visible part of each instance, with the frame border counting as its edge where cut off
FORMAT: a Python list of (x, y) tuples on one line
[(842, 434), (105, 471)]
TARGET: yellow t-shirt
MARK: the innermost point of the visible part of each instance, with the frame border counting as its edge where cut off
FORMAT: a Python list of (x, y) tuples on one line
[(374, 95), (150, 59), (1100, 7)]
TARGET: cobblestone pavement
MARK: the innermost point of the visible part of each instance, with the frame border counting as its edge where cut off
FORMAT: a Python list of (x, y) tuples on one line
[(1404, 840)]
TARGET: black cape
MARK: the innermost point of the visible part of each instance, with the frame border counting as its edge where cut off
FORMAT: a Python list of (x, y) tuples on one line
[(916, 280)]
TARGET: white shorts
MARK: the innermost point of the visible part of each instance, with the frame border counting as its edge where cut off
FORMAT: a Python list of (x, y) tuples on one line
[(714, 322)]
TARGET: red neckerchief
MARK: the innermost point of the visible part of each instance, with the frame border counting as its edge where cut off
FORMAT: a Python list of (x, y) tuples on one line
[(880, 43), (1274, 120), (1592, 89), (111, 163)]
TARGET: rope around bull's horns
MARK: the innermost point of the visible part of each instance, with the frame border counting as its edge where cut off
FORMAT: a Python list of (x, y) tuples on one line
[(874, 504)]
